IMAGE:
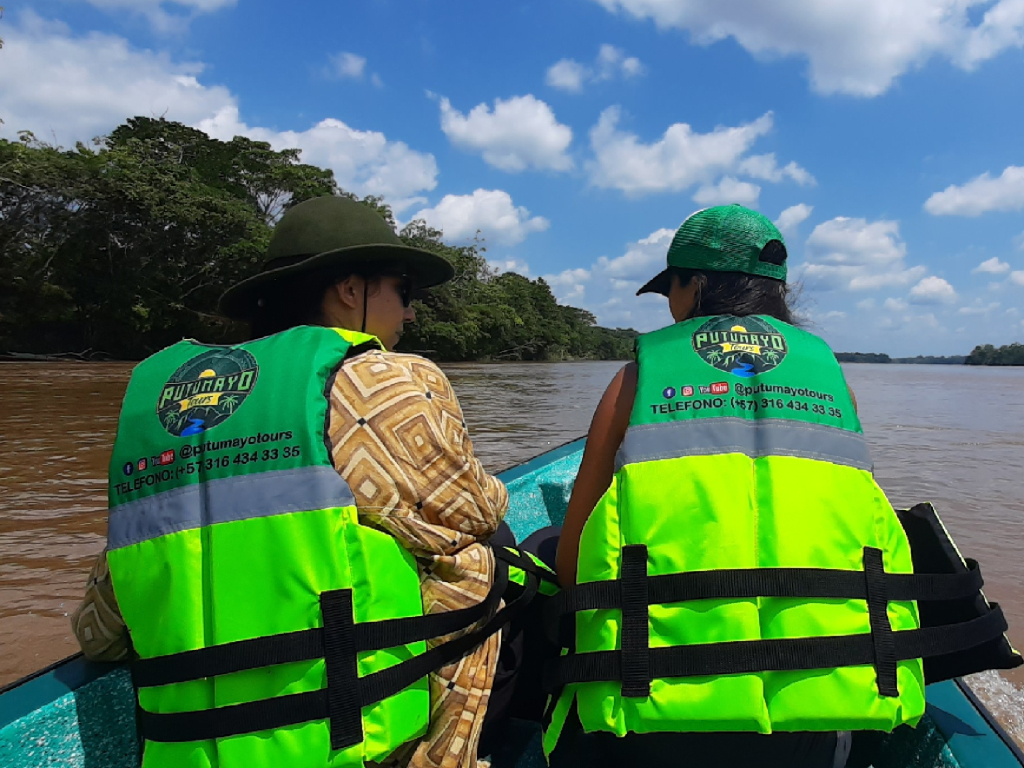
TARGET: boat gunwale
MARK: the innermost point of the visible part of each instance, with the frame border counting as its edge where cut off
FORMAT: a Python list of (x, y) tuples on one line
[(990, 719), (45, 686)]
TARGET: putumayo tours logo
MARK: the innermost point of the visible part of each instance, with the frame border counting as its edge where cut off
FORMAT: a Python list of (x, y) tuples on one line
[(742, 346), (206, 391)]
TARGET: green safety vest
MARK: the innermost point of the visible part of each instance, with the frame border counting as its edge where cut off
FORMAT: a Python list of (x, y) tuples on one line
[(744, 571), (272, 628)]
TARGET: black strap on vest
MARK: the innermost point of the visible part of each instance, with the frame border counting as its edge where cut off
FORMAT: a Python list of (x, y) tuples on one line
[(636, 661), (882, 641), (525, 563), (636, 664), (338, 642)]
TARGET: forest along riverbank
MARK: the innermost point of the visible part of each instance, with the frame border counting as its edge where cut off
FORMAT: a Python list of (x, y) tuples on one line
[(947, 434)]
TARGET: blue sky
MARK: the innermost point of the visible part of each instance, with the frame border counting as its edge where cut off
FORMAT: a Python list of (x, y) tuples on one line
[(576, 135)]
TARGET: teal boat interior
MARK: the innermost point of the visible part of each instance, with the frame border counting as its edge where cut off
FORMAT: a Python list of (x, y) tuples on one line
[(77, 713)]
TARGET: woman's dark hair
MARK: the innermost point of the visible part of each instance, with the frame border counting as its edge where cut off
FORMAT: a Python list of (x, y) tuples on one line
[(291, 302), (297, 300), (737, 293)]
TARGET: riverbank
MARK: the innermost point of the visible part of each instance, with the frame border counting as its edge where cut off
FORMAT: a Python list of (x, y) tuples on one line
[(882, 358), (1007, 355)]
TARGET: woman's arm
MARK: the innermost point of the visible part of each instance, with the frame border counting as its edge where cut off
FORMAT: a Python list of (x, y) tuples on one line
[(97, 621), (606, 432)]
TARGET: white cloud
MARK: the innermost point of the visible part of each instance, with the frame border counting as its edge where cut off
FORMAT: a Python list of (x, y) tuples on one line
[(1017, 277), (611, 63), (156, 12), (681, 158), (642, 259), (981, 194), (933, 290), (519, 133), (347, 65), (728, 190), (607, 286), (567, 75), (793, 217), (1000, 28), (488, 210), (834, 314), (979, 308), (895, 305), (364, 162), (899, 319), (766, 167), (856, 47), (350, 66), (854, 254), (509, 265), (992, 266), (69, 88), (569, 285), (202, 6)]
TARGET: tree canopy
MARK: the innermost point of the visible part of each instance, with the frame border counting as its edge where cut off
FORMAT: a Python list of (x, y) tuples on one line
[(124, 246), (1011, 354)]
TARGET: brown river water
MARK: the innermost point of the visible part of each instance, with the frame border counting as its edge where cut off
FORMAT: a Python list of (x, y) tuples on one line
[(951, 435)]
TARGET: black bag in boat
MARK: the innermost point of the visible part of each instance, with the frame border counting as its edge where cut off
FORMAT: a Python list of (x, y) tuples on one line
[(933, 551)]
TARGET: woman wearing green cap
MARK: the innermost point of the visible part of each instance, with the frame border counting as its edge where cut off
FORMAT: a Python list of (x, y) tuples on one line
[(719, 467), (236, 477)]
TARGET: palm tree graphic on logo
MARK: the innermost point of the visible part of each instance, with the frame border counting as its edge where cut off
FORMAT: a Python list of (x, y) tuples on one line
[(205, 390)]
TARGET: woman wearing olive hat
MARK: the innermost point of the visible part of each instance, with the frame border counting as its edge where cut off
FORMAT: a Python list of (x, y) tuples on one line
[(313, 420), (729, 452)]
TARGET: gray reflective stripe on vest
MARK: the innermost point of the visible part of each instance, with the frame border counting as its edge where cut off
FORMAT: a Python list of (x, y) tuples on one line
[(221, 501), (755, 438)]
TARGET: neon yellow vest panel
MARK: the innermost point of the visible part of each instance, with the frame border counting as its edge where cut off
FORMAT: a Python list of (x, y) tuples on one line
[(743, 452), (228, 523)]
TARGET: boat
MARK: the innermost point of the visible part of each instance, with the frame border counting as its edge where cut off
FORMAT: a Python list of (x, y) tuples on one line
[(81, 714)]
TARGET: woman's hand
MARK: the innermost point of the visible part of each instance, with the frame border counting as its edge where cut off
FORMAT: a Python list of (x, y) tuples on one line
[(607, 429)]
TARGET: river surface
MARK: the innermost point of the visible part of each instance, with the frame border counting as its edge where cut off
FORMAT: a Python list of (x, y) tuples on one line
[(952, 435)]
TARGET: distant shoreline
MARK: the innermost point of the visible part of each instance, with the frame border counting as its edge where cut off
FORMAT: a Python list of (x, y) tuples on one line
[(881, 357), (1008, 355)]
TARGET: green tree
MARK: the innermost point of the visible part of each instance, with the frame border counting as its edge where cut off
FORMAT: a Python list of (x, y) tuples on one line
[(125, 245), (1011, 354)]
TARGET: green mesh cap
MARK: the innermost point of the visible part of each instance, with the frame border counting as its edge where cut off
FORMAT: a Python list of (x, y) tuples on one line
[(725, 238)]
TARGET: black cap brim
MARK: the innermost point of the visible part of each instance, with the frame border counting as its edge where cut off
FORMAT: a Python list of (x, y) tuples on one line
[(660, 283)]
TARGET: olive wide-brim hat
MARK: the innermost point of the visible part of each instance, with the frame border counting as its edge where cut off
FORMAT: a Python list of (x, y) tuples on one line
[(724, 238), (332, 233)]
